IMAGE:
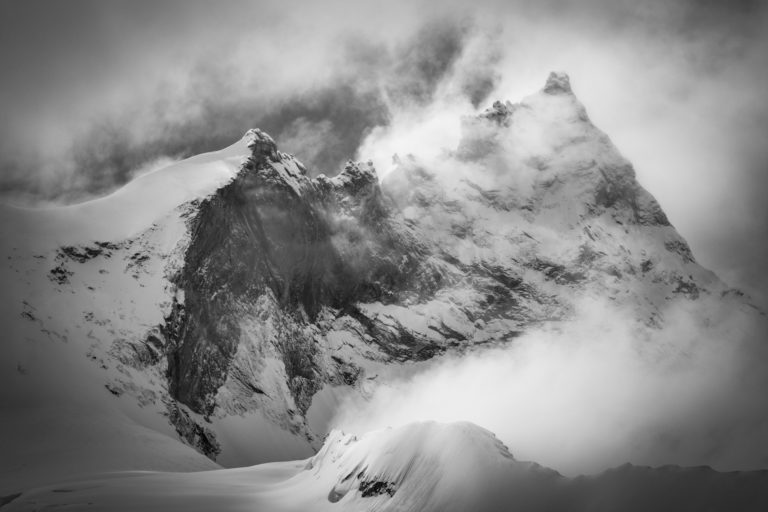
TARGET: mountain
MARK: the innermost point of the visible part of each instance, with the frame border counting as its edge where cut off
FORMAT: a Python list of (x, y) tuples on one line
[(207, 314), (423, 466)]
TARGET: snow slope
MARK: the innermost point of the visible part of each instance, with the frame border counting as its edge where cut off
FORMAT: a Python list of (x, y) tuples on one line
[(72, 399), (126, 212), (419, 467)]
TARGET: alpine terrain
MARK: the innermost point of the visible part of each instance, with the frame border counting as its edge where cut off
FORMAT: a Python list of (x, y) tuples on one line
[(211, 313)]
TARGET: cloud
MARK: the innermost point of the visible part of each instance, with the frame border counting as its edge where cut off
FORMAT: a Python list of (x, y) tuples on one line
[(599, 390), (193, 80), (420, 65)]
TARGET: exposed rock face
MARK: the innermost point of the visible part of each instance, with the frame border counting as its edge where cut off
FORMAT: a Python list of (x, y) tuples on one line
[(275, 239), (256, 235), (200, 437)]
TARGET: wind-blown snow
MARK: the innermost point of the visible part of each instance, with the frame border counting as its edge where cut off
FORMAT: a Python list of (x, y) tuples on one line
[(127, 211)]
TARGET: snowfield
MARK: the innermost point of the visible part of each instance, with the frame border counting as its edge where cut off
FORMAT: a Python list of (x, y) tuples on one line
[(426, 467)]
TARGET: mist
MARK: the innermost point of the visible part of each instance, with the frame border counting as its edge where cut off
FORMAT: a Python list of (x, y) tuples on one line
[(599, 390)]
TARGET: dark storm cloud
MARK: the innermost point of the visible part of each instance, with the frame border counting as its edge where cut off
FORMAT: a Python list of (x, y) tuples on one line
[(337, 118), (425, 60), (334, 119), (99, 89), (62, 62)]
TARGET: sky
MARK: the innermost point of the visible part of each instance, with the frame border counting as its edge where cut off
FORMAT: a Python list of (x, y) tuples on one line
[(94, 93)]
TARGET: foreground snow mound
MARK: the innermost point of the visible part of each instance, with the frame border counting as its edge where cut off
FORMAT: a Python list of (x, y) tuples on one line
[(418, 467), (424, 466)]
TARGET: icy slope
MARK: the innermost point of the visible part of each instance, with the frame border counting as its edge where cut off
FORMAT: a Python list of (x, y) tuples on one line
[(419, 467)]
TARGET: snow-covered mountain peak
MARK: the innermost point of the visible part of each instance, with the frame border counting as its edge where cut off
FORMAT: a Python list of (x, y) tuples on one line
[(534, 130), (261, 143), (558, 83), (544, 153)]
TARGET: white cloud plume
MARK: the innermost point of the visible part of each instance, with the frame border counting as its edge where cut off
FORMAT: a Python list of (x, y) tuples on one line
[(600, 390)]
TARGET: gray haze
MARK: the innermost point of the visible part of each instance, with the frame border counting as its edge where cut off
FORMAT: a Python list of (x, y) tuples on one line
[(94, 92)]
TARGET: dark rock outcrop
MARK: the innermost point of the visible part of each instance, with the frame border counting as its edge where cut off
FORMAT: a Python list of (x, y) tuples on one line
[(308, 243)]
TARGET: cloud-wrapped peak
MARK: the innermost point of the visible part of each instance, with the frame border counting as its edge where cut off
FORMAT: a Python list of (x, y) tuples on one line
[(558, 83)]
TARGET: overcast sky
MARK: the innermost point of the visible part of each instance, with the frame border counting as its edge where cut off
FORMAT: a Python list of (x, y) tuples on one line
[(94, 92)]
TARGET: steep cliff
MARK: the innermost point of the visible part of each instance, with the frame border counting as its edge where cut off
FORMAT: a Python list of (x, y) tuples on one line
[(275, 248)]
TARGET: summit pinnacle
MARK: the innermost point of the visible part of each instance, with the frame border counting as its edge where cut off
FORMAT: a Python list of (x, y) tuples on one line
[(558, 83)]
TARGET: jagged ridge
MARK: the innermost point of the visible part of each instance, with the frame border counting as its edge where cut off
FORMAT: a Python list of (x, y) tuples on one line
[(271, 233)]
